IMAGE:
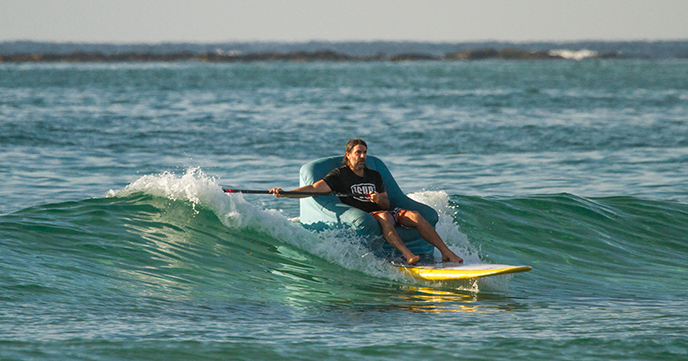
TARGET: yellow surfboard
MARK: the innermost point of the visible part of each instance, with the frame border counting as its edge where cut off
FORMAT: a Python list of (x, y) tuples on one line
[(454, 271)]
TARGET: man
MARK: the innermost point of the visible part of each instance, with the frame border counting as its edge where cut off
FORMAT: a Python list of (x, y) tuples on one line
[(370, 195)]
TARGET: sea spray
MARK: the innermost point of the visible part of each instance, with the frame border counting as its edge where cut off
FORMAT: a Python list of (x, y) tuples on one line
[(446, 228), (194, 186), (341, 247)]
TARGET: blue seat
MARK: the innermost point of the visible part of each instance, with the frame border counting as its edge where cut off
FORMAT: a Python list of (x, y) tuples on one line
[(320, 213)]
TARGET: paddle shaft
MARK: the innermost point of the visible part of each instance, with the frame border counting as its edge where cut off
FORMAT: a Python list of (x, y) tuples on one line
[(309, 194)]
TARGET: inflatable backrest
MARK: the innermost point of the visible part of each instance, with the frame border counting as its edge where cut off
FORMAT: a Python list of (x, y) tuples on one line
[(328, 212), (317, 169)]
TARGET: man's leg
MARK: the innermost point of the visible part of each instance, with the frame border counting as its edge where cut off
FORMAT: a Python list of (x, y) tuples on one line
[(392, 237), (427, 231)]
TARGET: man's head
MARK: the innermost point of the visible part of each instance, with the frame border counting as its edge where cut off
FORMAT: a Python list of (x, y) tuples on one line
[(356, 153)]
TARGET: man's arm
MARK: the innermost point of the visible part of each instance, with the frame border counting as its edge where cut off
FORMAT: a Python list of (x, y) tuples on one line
[(317, 187), (381, 199)]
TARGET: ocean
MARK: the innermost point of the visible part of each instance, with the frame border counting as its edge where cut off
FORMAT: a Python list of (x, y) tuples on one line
[(117, 242)]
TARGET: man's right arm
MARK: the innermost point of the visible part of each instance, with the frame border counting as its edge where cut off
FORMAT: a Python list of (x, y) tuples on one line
[(317, 187)]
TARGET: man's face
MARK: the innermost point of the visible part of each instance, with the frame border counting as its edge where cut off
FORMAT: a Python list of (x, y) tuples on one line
[(357, 157)]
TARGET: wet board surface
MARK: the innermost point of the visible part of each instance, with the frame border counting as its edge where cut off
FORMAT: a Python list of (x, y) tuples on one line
[(454, 271)]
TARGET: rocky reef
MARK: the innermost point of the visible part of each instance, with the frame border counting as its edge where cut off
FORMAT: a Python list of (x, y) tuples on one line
[(302, 56)]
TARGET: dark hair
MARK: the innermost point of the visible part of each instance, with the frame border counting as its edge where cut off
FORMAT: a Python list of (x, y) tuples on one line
[(351, 144)]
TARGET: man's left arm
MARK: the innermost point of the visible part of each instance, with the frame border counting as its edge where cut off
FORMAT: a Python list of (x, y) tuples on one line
[(380, 199)]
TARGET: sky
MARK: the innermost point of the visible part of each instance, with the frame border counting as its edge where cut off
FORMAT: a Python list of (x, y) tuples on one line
[(212, 21)]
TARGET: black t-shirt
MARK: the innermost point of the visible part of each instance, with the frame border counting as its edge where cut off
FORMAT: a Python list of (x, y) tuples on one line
[(344, 180)]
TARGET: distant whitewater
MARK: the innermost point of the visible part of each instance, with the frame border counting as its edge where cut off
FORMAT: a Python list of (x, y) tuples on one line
[(574, 54)]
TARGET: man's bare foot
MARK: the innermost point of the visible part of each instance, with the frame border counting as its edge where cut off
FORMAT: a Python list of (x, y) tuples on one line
[(452, 258), (413, 259)]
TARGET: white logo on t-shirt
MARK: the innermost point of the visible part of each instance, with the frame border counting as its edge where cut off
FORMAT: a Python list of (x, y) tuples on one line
[(361, 191)]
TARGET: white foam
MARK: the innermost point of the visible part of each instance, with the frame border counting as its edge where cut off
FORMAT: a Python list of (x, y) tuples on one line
[(574, 54), (446, 228), (338, 246), (341, 247), (193, 186)]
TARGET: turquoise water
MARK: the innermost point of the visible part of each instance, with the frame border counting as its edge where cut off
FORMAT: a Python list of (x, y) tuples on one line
[(116, 241)]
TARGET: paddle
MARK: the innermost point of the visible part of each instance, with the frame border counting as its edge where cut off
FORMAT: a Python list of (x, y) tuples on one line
[(309, 194)]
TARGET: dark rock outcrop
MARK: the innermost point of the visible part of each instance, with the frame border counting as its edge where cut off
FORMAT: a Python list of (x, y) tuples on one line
[(505, 54), (299, 56), (412, 57)]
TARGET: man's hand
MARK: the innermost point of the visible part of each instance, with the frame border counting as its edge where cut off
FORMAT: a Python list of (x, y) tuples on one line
[(379, 198), (374, 197), (277, 192)]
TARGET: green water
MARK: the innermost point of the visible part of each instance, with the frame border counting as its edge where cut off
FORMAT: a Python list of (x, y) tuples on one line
[(116, 241)]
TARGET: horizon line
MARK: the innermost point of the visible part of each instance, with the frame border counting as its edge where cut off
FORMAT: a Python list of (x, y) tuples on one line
[(341, 41)]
